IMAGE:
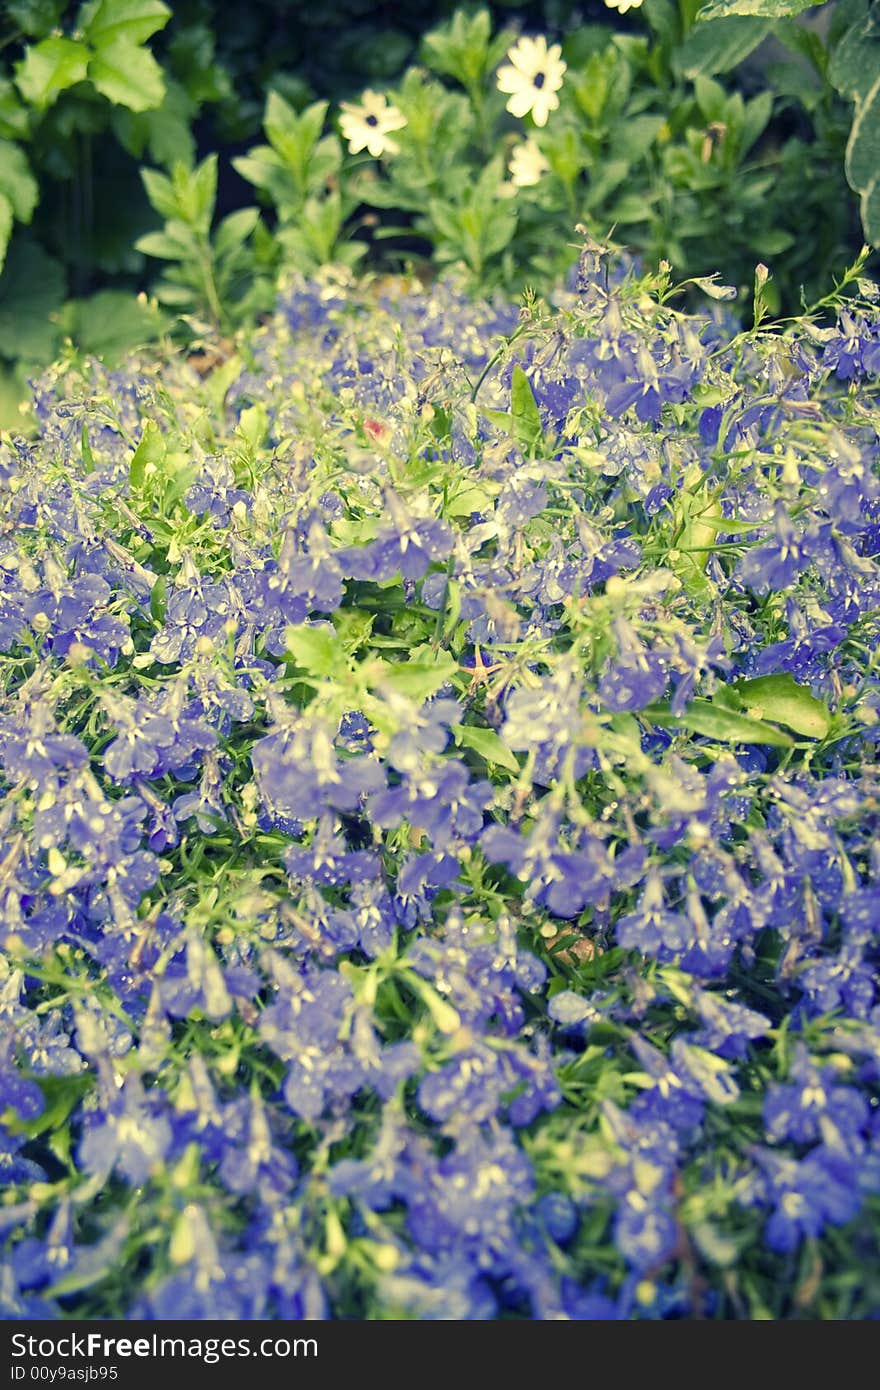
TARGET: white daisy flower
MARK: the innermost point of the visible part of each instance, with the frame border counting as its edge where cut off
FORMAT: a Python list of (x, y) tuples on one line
[(623, 5), (532, 78), (527, 164), (367, 126)]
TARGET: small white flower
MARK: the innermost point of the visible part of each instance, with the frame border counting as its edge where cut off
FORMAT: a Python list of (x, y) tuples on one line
[(527, 164), (623, 5), (532, 77), (367, 126)]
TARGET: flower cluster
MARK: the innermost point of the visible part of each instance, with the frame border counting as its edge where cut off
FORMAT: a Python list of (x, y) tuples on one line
[(438, 845)]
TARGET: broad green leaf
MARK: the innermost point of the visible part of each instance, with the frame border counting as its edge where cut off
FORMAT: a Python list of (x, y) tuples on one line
[(151, 450), (104, 21), (17, 182), (49, 68), (33, 287), (487, 743), (855, 61), (15, 397), (164, 131), (127, 75), (780, 699), (863, 146), (253, 425), (35, 18), (422, 675), (719, 45), (767, 9), (14, 122), (112, 323), (469, 500), (712, 720), (317, 650)]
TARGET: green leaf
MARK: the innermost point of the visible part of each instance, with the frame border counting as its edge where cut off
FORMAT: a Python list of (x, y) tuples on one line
[(36, 18), (16, 180), (5, 226), (32, 288), (88, 457), (62, 1095), (127, 75), (176, 243), (317, 650), (294, 137), (160, 191), (489, 746), (165, 130), (523, 422), (767, 9), (863, 146), (14, 123), (870, 209), (714, 721), (112, 323), (780, 699), (524, 407), (158, 600), (718, 45), (253, 425), (49, 68), (422, 675), (235, 229), (104, 21), (855, 61), (151, 450)]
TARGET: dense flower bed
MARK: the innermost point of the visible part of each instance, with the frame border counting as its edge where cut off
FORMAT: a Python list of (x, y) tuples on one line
[(439, 873)]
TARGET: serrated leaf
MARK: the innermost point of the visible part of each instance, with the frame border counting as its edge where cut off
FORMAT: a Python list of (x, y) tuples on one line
[(712, 720), (488, 744), (104, 21), (317, 650), (36, 18), (127, 75), (48, 68), (779, 698), (16, 180), (719, 45), (150, 450), (863, 145), (14, 124), (112, 323)]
